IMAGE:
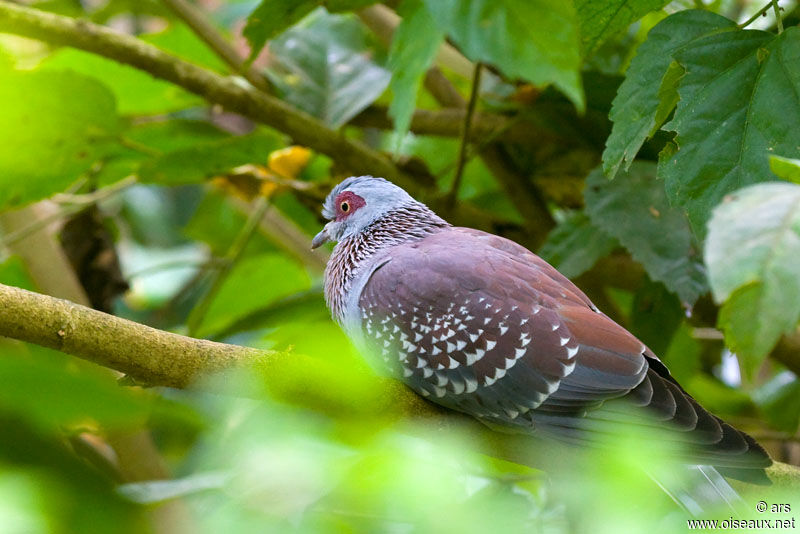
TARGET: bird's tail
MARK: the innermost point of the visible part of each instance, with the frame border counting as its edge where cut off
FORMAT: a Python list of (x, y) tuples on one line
[(698, 489)]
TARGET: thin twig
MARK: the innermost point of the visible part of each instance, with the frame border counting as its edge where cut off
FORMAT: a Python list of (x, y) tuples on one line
[(232, 257), (70, 204), (778, 16), (759, 13), (465, 133), (199, 24), (136, 146), (476, 148)]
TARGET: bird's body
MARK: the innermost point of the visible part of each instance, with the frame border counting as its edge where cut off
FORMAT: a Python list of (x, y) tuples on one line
[(479, 324)]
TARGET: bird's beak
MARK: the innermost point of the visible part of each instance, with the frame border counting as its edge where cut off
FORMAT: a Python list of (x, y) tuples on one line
[(321, 238)]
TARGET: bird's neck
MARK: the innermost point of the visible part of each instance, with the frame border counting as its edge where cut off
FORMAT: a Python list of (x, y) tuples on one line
[(409, 223)]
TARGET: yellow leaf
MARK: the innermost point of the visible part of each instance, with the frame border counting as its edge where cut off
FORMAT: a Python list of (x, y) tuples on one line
[(290, 161)]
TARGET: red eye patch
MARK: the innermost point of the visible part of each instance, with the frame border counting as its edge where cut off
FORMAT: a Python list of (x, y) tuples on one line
[(346, 203)]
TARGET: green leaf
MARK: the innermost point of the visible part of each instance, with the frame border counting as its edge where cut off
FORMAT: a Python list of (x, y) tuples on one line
[(413, 49), (575, 245), (151, 139), (751, 252), (252, 284), (637, 108), (667, 95), (14, 273), (739, 102), (655, 316), (634, 209), (778, 400), (536, 40), (137, 92), (62, 395), (181, 41), (323, 67), (271, 17), (717, 397), (54, 126), (786, 168), (204, 160), (599, 21)]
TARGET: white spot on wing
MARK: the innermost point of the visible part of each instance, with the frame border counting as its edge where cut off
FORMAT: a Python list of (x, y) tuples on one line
[(474, 357), (471, 384)]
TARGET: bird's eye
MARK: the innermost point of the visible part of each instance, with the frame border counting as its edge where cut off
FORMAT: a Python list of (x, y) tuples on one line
[(345, 206)]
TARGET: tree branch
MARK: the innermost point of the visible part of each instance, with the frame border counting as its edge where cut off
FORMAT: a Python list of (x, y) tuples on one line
[(199, 24), (162, 358), (227, 92), (146, 354), (448, 122)]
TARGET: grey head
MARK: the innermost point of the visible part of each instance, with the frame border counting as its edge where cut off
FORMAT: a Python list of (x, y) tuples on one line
[(356, 203)]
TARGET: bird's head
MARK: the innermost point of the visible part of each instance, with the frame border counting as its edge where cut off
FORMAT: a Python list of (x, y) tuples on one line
[(357, 202)]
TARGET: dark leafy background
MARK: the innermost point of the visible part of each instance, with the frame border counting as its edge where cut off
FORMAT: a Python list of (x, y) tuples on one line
[(647, 149)]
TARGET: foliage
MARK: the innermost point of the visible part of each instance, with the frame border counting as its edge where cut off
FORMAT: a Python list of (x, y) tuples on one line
[(668, 183), (634, 209), (757, 231)]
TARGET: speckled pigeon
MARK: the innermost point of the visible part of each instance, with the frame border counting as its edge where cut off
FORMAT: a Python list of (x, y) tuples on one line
[(479, 324)]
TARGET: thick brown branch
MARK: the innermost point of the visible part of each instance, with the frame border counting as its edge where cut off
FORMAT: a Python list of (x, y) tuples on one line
[(225, 91)]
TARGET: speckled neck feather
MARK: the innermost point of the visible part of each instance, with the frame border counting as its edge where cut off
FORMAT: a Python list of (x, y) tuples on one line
[(408, 223)]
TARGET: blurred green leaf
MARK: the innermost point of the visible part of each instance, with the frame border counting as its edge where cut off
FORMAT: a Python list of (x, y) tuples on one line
[(634, 209), (575, 245), (534, 40), (179, 40), (137, 92), (414, 45), (54, 127), (786, 168), (152, 139), (637, 108), (739, 102), (47, 394), (201, 161), (778, 400), (683, 355), (718, 398), (252, 284), (216, 220), (323, 67), (656, 315), (14, 273), (600, 21), (752, 255), (23, 505)]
